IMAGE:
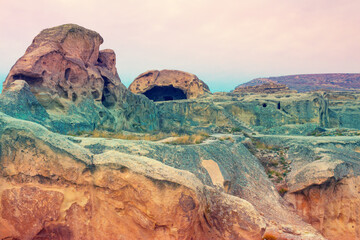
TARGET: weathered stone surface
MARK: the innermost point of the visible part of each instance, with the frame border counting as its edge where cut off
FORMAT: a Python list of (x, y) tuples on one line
[(77, 84), (268, 87), (344, 109), (262, 112), (323, 182), (18, 101), (29, 208), (72, 193), (231, 158), (165, 85), (62, 60)]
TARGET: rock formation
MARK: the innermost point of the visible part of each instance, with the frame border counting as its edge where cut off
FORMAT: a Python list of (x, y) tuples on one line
[(78, 85), (52, 188), (269, 87), (167, 85), (323, 182), (55, 186), (283, 113), (313, 82), (66, 61), (344, 109)]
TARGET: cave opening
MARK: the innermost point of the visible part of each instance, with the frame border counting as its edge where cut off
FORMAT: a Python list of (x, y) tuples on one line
[(165, 93), (32, 81), (108, 99), (67, 73)]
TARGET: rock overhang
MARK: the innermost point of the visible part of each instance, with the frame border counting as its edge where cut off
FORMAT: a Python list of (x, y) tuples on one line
[(168, 85)]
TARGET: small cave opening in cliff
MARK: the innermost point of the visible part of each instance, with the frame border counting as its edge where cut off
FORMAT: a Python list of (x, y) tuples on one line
[(108, 99), (67, 73), (32, 81), (165, 93)]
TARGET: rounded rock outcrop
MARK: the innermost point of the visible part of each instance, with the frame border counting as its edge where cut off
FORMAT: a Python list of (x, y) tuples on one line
[(167, 85), (77, 84), (66, 61)]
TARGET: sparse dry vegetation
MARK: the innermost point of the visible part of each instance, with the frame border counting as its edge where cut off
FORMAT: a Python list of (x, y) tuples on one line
[(275, 161), (319, 132), (183, 139), (226, 138), (129, 136)]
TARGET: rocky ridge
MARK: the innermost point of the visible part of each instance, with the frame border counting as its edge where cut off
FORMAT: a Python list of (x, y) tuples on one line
[(313, 82), (265, 88)]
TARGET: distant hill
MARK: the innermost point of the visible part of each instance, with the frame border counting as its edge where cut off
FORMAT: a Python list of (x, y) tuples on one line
[(311, 82)]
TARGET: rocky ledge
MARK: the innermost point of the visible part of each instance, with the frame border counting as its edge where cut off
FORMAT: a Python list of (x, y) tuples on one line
[(268, 87)]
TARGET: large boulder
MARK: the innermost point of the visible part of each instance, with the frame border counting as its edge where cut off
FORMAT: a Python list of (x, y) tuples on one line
[(167, 85), (78, 84), (65, 60)]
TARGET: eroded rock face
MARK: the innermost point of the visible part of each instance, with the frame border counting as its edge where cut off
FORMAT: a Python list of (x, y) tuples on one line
[(344, 109), (167, 85), (52, 188), (77, 84), (27, 209), (323, 182), (64, 60), (18, 101), (269, 87), (332, 207), (269, 113)]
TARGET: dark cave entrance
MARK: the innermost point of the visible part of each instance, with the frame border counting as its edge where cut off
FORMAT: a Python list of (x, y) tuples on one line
[(165, 93), (32, 81), (108, 99)]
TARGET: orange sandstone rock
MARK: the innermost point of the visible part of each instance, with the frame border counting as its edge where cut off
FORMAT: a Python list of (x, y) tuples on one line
[(162, 85)]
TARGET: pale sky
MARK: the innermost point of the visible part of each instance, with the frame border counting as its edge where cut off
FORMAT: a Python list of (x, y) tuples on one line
[(224, 43)]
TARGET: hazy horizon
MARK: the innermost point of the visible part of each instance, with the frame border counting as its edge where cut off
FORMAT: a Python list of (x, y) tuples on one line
[(224, 44)]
